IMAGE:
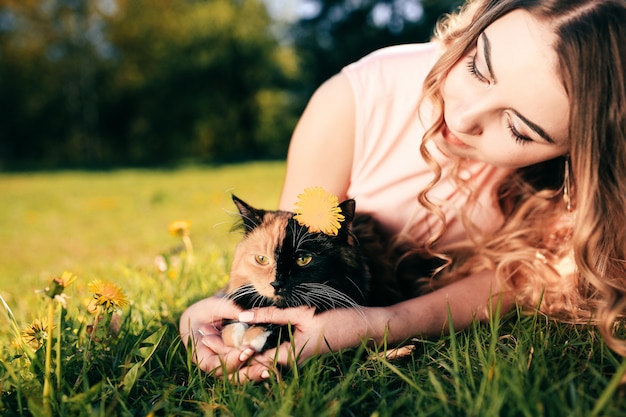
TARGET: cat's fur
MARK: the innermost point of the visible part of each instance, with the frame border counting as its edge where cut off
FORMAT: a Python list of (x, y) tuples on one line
[(280, 263)]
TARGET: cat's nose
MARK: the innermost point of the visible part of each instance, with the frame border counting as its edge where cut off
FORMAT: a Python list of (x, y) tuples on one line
[(276, 284)]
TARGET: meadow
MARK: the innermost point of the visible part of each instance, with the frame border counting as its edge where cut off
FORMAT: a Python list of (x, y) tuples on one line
[(122, 281)]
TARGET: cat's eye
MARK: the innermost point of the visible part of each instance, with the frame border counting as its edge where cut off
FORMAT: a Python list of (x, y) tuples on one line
[(303, 260), (261, 259)]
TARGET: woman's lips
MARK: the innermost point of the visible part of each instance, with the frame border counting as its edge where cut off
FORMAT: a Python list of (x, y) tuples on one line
[(451, 139)]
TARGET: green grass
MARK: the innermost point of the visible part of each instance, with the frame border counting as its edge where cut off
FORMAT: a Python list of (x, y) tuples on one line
[(104, 225), (111, 226)]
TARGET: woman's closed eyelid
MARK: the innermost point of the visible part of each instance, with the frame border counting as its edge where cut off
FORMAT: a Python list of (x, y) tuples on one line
[(515, 132), (483, 68), (474, 67)]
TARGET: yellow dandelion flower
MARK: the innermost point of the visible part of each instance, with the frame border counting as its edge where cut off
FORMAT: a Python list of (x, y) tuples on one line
[(319, 210), (107, 294), (180, 228), (66, 279), (36, 333), (59, 284)]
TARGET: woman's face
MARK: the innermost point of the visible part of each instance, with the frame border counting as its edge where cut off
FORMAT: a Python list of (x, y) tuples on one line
[(504, 103)]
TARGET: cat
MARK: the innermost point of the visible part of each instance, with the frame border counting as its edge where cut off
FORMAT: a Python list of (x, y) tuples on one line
[(281, 263)]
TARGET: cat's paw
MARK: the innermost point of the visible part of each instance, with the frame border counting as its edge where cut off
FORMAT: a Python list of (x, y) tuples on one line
[(232, 333), (238, 334), (256, 337)]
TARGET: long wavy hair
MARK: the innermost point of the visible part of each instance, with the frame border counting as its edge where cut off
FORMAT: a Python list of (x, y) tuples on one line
[(571, 265)]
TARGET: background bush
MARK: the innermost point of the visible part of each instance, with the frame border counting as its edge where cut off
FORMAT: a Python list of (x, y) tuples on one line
[(104, 83)]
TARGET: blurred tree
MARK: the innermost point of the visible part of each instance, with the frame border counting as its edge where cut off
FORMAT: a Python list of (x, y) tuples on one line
[(196, 76), (46, 81), (106, 82), (333, 33), (141, 81)]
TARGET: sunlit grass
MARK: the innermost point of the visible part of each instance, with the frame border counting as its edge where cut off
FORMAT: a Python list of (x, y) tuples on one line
[(127, 359), (99, 223)]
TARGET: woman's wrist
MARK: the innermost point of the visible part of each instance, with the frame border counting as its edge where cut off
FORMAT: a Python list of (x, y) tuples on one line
[(379, 322)]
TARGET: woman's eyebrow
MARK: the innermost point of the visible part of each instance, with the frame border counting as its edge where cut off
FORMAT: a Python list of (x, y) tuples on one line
[(533, 126), (536, 128), (487, 53)]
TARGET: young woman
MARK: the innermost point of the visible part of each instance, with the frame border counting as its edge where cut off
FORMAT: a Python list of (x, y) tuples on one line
[(500, 148)]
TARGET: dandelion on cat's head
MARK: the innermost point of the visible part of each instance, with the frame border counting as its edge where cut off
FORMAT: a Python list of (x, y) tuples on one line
[(319, 210), (106, 295), (36, 333)]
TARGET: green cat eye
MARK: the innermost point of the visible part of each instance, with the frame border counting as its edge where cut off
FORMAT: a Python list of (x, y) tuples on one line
[(303, 260), (261, 259)]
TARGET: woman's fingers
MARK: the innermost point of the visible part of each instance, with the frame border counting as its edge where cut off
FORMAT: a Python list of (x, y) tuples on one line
[(212, 355), (263, 366), (205, 317), (276, 315), (201, 328)]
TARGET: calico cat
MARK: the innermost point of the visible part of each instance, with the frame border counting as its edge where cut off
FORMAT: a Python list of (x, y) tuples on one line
[(281, 263)]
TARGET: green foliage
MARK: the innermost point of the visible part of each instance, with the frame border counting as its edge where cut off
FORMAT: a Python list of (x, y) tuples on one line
[(342, 31), (141, 81), (155, 82), (520, 365)]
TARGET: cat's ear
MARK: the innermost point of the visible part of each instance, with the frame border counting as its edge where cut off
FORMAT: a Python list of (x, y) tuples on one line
[(250, 216), (348, 208)]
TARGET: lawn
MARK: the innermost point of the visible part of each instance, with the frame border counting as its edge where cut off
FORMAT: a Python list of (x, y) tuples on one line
[(112, 226)]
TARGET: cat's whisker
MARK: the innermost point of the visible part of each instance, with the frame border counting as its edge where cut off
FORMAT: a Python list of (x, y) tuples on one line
[(306, 237), (327, 296), (308, 298), (297, 234), (300, 235), (300, 298), (358, 288), (259, 301), (241, 292), (294, 234), (244, 226), (328, 293), (255, 299)]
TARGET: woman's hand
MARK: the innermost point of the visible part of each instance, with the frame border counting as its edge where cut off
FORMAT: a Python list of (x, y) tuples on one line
[(472, 298), (200, 330), (201, 325), (312, 334)]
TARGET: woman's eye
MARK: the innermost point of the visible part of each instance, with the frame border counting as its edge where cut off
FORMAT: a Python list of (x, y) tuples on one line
[(261, 259), (303, 260), (473, 69), (517, 136)]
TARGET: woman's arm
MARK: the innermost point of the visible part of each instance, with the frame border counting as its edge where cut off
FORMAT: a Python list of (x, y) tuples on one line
[(321, 148), (472, 298)]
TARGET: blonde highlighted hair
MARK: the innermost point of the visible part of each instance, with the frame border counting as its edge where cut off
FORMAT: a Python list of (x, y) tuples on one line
[(571, 265)]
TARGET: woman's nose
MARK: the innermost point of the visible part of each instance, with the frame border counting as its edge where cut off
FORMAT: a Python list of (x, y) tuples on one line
[(466, 120), (469, 115)]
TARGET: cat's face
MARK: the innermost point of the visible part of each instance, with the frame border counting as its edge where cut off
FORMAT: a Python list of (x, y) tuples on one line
[(280, 263)]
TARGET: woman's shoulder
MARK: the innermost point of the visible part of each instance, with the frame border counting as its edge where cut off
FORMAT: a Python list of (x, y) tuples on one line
[(399, 65), (401, 53)]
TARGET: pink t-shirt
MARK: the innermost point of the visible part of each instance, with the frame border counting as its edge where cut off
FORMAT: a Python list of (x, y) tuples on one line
[(388, 170)]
